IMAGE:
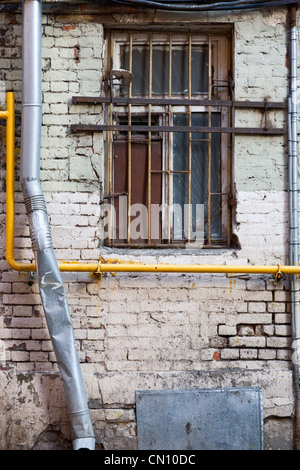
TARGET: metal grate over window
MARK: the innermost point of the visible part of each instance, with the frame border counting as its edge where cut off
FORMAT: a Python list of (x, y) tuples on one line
[(169, 171), (169, 131)]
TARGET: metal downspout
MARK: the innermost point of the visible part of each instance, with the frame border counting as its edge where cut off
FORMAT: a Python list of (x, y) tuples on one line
[(49, 277), (293, 211)]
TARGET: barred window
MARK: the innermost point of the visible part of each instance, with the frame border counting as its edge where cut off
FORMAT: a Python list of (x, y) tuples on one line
[(168, 164)]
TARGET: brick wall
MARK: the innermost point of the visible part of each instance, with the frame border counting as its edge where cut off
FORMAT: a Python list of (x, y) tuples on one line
[(142, 331)]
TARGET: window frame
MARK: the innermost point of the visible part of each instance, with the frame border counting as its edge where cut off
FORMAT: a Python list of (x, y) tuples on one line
[(219, 45)]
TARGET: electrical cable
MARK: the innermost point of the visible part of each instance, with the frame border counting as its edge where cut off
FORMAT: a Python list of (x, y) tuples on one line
[(185, 5)]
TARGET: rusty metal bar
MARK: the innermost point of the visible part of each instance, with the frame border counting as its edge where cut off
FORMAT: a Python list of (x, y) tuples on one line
[(149, 138), (110, 149), (230, 165), (111, 114), (129, 144), (170, 178), (209, 143), (190, 136), (226, 130), (122, 101)]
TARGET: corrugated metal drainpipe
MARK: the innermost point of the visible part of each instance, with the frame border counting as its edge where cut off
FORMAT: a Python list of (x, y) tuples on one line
[(293, 210), (49, 277)]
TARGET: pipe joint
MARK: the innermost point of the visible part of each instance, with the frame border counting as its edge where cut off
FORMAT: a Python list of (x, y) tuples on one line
[(38, 222), (39, 230), (34, 203)]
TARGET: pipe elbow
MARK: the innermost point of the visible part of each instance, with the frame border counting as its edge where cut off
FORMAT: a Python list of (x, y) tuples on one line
[(20, 267)]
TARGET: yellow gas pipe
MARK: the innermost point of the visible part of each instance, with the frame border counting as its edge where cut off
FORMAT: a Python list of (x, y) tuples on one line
[(104, 266)]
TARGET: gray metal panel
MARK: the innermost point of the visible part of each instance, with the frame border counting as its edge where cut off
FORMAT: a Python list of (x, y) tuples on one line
[(207, 419)]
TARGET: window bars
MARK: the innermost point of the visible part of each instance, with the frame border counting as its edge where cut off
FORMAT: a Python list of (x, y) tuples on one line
[(169, 138), (165, 67)]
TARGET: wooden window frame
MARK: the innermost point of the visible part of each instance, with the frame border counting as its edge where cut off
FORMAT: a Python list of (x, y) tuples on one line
[(219, 47)]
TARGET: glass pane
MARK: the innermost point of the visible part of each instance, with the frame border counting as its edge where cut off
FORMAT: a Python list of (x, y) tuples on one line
[(216, 180), (180, 69), (140, 68), (180, 144), (199, 69), (199, 171), (199, 166), (180, 199), (160, 69), (216, 219)]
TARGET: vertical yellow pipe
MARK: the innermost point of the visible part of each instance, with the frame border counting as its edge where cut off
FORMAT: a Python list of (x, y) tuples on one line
[(10, 167), (10, 183)]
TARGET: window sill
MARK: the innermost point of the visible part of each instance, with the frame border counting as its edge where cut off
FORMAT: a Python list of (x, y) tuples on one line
[(166, 252)]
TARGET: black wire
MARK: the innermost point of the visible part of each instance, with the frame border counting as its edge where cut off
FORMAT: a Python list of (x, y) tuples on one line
[(186, 1), (204, 2), (165, 5), (275, 3), (237, 4)]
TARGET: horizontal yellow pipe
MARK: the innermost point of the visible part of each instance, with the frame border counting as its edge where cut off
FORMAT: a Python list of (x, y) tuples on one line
[(115, 267), (105, 266), (4, 114)]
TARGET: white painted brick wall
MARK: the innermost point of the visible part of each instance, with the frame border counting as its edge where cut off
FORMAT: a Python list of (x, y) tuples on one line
[(147, 331)]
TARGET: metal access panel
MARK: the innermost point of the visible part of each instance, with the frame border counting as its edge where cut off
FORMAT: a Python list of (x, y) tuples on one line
[(200, 419)]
